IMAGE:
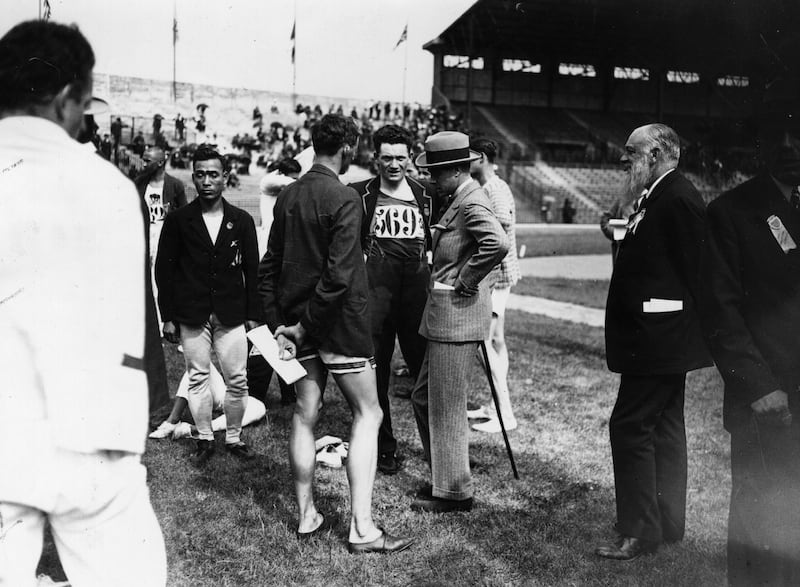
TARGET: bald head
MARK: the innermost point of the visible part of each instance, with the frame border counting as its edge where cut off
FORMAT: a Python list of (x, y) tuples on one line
[(660, 141), (155, 155)]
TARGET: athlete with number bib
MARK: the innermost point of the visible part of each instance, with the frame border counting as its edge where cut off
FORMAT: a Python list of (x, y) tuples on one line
[(396, 238)]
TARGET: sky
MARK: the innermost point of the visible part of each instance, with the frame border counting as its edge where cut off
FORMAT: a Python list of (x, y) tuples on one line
[(345, 48)]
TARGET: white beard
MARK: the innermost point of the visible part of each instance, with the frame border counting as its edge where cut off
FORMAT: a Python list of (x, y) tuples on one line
[(638, 178)]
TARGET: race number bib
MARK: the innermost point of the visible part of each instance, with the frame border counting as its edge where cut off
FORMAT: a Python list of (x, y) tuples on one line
[(155, 207), (397, 221)]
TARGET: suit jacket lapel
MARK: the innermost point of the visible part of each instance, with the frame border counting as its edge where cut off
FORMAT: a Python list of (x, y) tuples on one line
[(227, 227), (662, 185), (425, 206), (451, 212)]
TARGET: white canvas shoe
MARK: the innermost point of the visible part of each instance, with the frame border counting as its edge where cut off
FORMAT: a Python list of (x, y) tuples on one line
[(164, 429), (492, 425), (483, 412)]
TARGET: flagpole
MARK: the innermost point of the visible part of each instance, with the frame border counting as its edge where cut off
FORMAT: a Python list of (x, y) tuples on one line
[(405, 70), (174, 50), (294, 58)]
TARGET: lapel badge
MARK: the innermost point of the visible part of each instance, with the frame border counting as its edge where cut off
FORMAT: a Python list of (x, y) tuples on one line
[(634, 221), (780, 234), (229, 226)]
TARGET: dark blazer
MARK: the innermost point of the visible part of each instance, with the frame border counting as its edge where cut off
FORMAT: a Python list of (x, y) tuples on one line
[(751, 296), (196, 277), (468, 241), (174, 195), (659, 260), (313, 271), (369, 189)]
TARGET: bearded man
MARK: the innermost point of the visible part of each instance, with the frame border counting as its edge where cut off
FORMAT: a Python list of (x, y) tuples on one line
[(653, 338)]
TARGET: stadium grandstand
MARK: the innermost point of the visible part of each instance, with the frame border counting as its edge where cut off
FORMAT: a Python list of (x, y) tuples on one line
[(560, 84)]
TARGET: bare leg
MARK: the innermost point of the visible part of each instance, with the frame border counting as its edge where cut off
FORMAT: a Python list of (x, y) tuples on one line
[(302, 453), (497, 351), (361, 393), (178, 407)]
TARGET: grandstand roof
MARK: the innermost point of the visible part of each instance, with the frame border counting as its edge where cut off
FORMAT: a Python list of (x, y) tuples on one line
[(735, 37)]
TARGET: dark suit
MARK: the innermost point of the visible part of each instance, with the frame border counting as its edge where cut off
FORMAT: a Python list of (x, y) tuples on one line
[(155, 366), (313, 271), (174, 195), (398, 288), (751, 306), (196, 277), (653, 351), (468, 241)]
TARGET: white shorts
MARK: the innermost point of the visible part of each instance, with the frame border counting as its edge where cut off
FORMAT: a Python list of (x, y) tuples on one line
[(499, 301), (338, 364)]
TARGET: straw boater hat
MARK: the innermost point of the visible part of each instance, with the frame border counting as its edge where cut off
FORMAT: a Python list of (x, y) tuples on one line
[(446, 148)]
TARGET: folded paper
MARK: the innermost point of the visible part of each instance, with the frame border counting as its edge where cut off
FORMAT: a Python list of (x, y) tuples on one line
[(291, 370)]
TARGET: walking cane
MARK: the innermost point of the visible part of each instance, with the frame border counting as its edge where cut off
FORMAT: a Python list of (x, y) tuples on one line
[(497, 408)]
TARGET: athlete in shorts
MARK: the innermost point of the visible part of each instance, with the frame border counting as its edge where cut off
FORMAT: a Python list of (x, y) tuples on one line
[(502, 277), (313, 284)]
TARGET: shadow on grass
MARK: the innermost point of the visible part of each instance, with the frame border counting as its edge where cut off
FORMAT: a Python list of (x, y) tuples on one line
[(233, 523)]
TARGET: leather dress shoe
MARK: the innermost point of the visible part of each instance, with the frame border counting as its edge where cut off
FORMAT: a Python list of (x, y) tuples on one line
[(203, 452), (388, 463), (440, 505), (327, 524), (626, 548), (383, 544)]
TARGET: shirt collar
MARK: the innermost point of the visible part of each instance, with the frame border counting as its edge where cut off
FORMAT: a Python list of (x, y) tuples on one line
[(656, 182), (461, 188)]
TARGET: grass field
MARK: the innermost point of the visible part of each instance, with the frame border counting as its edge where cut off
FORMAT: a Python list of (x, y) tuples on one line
[(584, 292), (233, 523)]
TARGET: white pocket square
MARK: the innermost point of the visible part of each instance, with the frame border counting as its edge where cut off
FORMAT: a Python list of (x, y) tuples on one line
[(659, 305)]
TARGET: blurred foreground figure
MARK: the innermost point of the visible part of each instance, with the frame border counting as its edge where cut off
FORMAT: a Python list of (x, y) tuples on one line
[(752, 312), (73, 406), (653, 339)]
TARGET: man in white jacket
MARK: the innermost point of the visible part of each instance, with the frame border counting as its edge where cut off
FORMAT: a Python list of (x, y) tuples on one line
[(73, 404)]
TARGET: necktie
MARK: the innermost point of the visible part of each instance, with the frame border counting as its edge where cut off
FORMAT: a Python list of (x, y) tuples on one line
[(640, 200), (794, 199)]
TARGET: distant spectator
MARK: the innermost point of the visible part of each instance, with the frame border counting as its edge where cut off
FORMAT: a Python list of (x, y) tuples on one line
[(106, 146), (180, 127), (138, 145), (568, 211)]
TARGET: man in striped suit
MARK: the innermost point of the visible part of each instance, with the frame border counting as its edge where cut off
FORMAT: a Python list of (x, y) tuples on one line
[(468, 241)]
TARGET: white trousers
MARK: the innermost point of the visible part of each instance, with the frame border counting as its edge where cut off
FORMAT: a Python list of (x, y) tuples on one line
[(103, 525), (254, 408)]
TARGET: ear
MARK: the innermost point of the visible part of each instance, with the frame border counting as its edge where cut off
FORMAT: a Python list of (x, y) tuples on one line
[(60, 100)]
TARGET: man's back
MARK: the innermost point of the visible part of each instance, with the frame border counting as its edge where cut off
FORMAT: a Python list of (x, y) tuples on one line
[(72, 278), (315, 250)]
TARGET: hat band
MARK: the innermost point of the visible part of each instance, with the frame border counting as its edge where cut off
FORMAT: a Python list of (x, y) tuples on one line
[(433, 157)]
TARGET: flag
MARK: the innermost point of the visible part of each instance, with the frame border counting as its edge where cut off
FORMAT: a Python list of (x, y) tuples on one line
[(292, 38), (174, 30), (403, 37), (46, 14)]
